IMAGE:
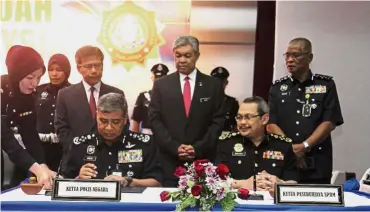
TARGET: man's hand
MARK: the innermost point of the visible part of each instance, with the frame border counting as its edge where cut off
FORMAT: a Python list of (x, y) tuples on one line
[(191, 152), (248, 183), (266, 181), (88, 171), (186, 152), (122, 180), (182, 152), (299, 150)]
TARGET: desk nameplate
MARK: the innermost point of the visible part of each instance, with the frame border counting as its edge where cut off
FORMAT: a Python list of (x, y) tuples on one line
[(89, 190), (309, 194)]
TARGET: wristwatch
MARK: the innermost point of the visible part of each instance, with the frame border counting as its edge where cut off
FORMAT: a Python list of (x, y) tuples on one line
[(307, 146), (128, 181)]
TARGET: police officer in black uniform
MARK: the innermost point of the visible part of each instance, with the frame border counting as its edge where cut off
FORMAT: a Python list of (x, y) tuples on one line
[(252, 152), (59, 70), (231, 104), (305, 107), (111, 153), (140, 112), (21, 158), (25, 68)]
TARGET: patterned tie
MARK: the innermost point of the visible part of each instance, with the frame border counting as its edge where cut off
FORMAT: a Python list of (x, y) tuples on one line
[(187, 95), (92, 103)]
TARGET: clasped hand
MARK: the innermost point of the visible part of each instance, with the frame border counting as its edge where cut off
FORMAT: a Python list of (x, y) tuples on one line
[(186, 152), (266, 181)]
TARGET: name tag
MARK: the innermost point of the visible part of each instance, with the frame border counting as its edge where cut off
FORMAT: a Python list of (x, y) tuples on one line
[(75, 189), (303, 194)]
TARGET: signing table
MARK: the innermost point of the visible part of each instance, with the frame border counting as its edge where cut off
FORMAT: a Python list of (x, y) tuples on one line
[(149, 200)]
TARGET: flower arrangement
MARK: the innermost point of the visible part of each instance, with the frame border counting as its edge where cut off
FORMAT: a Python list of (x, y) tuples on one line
[(202, 184)]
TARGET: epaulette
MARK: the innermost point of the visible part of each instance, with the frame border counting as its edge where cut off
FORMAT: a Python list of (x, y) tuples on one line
[(85, 138), (281, 137), (139, 137), (228, 135), (324, 77), (281, 79)]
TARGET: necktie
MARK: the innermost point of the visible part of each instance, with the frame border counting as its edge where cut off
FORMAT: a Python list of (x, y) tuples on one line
[(92, 103), (186, 95)]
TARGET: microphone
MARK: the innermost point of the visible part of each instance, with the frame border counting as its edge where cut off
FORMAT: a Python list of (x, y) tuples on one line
[(50, 192), (255, 196)]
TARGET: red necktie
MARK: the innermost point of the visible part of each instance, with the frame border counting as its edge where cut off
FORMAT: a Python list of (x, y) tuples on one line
[(92, 103), (186, 95)]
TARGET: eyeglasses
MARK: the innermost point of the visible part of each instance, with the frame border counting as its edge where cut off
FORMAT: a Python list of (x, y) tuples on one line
[(294, 55), (246, 117), (98, 66)]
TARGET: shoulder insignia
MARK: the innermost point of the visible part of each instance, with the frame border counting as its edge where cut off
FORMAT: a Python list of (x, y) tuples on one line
[(140, 137), (323, 77), (281, 137), (228, 135), (281, 79), (85, 138)]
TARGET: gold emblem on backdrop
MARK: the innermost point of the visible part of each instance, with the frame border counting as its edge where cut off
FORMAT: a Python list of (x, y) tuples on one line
[(129, 34)]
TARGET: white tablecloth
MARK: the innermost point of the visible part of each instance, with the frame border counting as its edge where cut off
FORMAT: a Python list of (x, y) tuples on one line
[(151, 195)]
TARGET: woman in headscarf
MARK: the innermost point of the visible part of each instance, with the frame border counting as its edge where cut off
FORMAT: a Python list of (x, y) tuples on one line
[(59, 70), (25, 68)]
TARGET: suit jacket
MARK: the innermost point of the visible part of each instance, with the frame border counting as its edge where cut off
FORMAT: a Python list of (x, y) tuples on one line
[(73, 117), (171, 127)]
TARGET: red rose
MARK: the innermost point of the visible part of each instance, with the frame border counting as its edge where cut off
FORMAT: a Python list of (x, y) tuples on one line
[(243, 193), (179, 171), (195, 190), (199, 169), (222, 170), (165, 195)]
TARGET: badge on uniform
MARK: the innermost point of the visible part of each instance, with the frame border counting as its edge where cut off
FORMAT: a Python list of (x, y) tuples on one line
[(274, 155), (283, 87), (306, 108), (44, 95), (238, 150), (316, 89), (90, 149), (130, 156), (129, 145)]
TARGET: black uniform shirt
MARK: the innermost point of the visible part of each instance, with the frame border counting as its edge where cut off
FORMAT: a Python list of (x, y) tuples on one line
[(45, 106), (287, 99), (20, 112), (274, 155), (10, 145), (133, 154), (140, 112)]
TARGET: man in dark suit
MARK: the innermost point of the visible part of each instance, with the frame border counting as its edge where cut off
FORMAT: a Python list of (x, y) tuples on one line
[(76, 104), (186, 111)]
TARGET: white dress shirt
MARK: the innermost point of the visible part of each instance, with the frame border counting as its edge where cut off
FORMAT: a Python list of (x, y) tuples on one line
[(88, 92), (192, 78)]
